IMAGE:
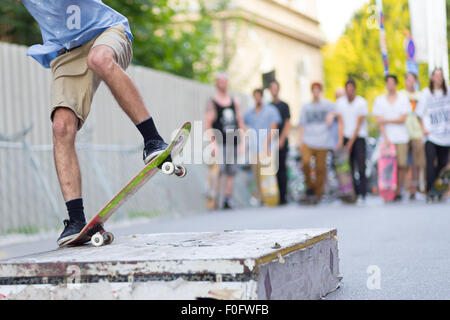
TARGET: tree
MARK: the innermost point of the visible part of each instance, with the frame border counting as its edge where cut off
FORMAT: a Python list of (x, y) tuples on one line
[(161, 40), (357, 53), (185, 48), (17, 25)]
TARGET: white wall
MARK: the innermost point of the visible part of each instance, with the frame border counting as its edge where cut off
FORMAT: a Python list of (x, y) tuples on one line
[(24, 99)]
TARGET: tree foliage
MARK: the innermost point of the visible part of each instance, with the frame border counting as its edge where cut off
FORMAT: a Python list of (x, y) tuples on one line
[(17, 25), (185, 48), (357, 52)]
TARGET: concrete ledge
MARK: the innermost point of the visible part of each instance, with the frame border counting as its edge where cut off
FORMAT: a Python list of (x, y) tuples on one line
[(272, 264)]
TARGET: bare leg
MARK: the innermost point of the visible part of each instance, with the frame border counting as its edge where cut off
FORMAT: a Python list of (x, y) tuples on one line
[(102, 61), (65, 125), (229, 183), (401, 180)]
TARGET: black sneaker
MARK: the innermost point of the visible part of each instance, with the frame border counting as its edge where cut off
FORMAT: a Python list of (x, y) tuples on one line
[(398, 198), (71, 230), (309, 198), (154, 148), (227, 205), (431, 197)]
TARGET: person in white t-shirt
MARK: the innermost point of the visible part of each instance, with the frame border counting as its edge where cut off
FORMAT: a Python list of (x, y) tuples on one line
[(354, 112), (391, 110), (416, 148), (433, 111)]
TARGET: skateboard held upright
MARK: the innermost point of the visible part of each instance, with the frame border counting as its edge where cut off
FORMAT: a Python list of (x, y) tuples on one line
[(268, 182), (344, 176), (387, 172), (212, 185), (94, 230), (441, 186)]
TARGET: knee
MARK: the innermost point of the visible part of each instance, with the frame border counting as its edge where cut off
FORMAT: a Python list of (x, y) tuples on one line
[(65, 125), (101, 60)]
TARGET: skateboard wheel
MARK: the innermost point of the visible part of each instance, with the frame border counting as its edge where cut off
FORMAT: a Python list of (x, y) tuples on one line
[(97, 240), (181, 172), (108, 238), (168, 168)]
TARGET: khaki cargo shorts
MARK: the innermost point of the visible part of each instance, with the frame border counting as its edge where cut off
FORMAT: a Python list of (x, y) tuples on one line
[(417, 152), (74, 84)]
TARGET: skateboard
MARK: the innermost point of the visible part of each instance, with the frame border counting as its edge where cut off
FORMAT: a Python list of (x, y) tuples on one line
[(296, 184), (344, 176), (94, 230), (212, 184), (269, 184), (441, 186), (387, 172)]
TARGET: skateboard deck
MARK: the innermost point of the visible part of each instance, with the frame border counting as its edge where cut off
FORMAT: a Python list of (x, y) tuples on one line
[(441, 186), (387, 172), (269, 184), (212, 192), (344, 177), (94, 228)]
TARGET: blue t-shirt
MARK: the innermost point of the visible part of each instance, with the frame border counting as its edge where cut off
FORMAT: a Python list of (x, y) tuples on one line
[(67, 24), (261, 124)]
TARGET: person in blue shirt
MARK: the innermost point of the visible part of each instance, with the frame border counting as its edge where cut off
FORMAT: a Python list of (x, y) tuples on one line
[(85, 42), (263, 122)]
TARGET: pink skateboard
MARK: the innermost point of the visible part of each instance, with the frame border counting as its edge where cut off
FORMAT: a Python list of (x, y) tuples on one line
[(387, 172)]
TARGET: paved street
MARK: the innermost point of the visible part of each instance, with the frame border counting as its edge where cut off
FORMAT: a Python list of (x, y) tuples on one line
[(404, 247)]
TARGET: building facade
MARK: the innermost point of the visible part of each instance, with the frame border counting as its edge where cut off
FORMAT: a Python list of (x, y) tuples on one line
[(261, 36)]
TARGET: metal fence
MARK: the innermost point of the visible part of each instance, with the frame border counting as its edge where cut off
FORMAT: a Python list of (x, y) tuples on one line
[(109, 146)]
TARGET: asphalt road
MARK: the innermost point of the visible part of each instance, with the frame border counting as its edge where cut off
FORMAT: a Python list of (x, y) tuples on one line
[(395, 251)]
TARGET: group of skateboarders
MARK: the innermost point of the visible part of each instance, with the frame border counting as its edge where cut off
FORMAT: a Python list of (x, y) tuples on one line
[(270, 124), (413, 124), (86, 42)]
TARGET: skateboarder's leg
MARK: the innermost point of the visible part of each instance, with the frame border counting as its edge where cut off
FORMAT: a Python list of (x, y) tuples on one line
[(411, 173), (65, 124), (108, 58), (282, 175), (419, 163), (73, 87), (229, 170), (442, 158), (430, 152), (402, 164), (306, 153), (359, 159), (353, 165), (102, 60), (321, 172)]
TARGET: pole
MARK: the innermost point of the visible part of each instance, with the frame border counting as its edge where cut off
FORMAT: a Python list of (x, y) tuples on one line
[(384, 51)]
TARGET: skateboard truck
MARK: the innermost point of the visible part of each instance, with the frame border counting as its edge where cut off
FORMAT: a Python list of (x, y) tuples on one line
[(169, 169), (100, 239)]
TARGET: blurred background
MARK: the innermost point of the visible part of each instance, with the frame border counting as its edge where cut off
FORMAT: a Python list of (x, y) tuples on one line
[(178, 47)]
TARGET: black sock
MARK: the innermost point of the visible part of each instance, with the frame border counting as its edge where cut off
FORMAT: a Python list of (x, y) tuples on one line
[(148, 130), (76, 210)]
